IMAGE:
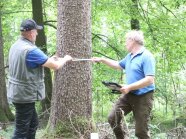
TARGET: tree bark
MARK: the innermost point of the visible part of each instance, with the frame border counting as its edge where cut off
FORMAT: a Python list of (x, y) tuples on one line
[(41, 42), (72, 99), (5, 112), (134, 16)]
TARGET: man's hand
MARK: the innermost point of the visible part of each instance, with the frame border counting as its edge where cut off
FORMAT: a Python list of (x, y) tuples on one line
[(55, 57), (68, 58), (125, 89)]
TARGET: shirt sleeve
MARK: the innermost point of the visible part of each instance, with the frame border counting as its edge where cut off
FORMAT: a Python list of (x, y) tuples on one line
[(122, 62), (149, 65), (35, 58)]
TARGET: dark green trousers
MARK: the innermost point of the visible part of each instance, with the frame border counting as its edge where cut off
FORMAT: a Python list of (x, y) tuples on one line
[(141, 107)]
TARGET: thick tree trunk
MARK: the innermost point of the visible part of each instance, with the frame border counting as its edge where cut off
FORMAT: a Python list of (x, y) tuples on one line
[(41, 42), (71, 100), (5, 112)]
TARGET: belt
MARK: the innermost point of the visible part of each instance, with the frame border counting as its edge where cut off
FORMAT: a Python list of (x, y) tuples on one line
[(133, 92)]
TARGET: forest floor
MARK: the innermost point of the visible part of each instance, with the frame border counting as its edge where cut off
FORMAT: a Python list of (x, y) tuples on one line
[(8, 132), (104, 133)]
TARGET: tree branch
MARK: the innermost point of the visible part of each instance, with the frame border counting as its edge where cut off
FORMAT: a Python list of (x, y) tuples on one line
[(102, 54), (3, 13), (48, 21), (114, 48), (168, 9), (51, 25), (171, 12)]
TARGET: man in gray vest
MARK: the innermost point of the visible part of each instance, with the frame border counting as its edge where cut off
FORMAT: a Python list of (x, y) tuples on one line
[(26, 78)]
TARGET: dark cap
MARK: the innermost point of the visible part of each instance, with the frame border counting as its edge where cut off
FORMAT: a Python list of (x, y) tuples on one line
[(29, 24)]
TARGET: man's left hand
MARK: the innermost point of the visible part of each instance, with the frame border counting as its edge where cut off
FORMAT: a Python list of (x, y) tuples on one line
[(125, 89)]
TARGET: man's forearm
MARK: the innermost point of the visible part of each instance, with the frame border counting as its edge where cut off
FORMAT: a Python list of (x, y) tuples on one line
[(111, 63), (56, 63), (148, 80)]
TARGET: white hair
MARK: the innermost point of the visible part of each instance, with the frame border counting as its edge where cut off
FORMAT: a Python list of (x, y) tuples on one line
[(136, 36)]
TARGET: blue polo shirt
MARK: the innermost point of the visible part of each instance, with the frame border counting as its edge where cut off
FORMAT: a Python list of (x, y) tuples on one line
[(137, 67), (35, 58)]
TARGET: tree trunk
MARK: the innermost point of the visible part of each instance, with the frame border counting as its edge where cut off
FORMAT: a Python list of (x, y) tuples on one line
[(72, 101), (41, 42), (5, 112), (134, 16)]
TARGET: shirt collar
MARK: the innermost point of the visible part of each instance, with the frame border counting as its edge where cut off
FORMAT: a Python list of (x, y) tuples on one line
[(140, 51), (23, 38)]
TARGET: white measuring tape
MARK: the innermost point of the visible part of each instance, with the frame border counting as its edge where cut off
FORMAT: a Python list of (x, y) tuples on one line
[(77, 59)]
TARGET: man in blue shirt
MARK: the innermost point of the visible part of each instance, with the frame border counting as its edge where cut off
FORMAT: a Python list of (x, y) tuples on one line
[(26, 78), (137, 94)]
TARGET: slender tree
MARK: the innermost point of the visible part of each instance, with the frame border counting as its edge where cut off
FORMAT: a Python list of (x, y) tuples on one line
[(71, 100), (5, 112), (41, 42), (134, 15)]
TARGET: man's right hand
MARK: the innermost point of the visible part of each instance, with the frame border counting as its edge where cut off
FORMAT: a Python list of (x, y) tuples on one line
[(109, 62), (56, 62)]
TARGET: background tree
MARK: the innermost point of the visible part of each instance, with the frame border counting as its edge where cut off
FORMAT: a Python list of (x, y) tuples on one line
[(37, 11), (135, 15), (71, 100), (5, 112)]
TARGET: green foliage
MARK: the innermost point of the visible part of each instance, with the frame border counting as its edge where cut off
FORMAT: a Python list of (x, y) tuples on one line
[(74, 128), (3, 117), (102, 97), (163, 25), (64, 129), (13, 12), (7, 134)]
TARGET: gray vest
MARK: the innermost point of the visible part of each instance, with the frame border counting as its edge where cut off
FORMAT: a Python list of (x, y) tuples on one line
[(25, 85)]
